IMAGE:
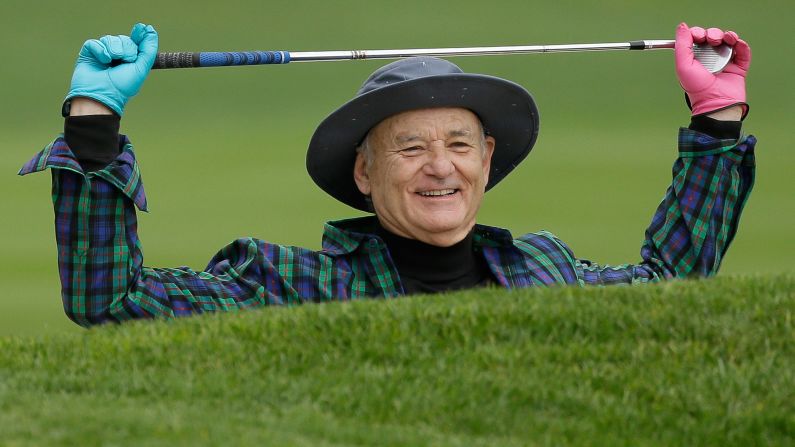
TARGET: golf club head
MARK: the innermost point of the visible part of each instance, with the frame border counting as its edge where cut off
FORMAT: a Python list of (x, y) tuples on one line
[(712, 58)]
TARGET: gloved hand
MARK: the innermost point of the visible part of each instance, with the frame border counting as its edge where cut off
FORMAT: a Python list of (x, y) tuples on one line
[(707, 91), (95, 78)]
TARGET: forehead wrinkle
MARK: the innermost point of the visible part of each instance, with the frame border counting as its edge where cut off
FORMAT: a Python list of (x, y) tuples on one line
[(416, 125)]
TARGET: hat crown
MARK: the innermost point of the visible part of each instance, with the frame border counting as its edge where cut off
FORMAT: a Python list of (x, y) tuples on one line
[(406, 70)]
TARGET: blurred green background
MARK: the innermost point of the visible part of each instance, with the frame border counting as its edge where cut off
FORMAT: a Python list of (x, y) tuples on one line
[(222, 150)]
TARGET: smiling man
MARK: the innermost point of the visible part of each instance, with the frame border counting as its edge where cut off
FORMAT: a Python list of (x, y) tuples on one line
[(419, 146), (428, 178)]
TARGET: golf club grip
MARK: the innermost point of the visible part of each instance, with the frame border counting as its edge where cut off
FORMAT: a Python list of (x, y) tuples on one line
[(219, 59)]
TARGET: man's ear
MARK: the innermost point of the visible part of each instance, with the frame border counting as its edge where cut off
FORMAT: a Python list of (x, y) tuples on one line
[(360, 174), (489, 151)]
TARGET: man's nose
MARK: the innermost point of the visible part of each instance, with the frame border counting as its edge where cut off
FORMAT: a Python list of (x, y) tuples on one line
[(439, 163)]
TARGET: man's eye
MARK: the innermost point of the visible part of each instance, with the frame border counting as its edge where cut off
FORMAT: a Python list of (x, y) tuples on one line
[(412, 149), (460, 145)]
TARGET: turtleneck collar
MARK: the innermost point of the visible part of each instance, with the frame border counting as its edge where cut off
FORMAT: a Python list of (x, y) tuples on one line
[(428, 268)]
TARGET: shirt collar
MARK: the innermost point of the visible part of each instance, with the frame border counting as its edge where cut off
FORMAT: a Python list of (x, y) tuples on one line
[(341, 237)]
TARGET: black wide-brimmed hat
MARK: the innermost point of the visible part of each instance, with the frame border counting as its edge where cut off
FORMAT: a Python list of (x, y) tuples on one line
[(506, 110)]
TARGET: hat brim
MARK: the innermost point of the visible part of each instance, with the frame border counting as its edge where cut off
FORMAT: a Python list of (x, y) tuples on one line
[(506, 110)]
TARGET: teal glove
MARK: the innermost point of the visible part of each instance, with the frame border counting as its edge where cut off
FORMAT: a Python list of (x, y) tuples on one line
[(95, 78)]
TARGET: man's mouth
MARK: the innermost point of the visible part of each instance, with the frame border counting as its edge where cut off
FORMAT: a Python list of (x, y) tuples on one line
[(438, 192)]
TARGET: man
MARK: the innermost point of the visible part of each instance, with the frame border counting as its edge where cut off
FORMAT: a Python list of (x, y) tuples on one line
[(419, 145)]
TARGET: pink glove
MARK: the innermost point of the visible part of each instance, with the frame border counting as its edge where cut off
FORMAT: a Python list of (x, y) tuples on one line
[(707, 91)]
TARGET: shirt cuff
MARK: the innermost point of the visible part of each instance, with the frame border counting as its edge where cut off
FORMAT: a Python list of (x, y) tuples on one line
[(697, 144), (123, 172)]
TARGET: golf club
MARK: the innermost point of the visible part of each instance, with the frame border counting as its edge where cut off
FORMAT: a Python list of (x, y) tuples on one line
[(714, 59)]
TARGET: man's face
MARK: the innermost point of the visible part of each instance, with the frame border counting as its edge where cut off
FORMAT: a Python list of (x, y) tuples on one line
[(428, 173)]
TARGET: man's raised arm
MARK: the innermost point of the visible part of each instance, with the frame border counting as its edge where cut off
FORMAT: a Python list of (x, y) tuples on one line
[(712, 178), (96, 188)]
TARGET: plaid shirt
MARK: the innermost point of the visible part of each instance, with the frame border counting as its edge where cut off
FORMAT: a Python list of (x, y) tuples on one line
[(103, 277)]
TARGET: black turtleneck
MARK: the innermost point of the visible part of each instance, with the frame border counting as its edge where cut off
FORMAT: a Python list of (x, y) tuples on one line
[(94, 139), (425, 268)]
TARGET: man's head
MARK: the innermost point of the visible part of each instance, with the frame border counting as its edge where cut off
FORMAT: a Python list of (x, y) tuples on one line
[(412, 121), (425, 172)]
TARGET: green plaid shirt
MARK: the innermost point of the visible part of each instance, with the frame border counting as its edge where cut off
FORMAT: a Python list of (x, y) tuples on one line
[(104, 279)]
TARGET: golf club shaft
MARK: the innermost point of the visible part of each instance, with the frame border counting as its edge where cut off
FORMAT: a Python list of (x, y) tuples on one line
[(221, 59)]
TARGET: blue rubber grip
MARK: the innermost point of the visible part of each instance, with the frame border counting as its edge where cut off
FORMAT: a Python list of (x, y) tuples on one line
[(219, 59), (216, 59)]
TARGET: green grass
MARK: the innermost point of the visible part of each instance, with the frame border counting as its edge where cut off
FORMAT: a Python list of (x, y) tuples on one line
[(221, 153), (708, 362)]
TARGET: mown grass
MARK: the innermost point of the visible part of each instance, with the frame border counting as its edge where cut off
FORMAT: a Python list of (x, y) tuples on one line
[(684, 363)]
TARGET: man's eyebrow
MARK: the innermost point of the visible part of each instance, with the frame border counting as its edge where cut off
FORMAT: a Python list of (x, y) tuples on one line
[(400, 139), (405, 138), (459, 133)]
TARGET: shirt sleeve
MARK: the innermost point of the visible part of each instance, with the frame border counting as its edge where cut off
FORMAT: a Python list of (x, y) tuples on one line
[(698, 217), (100, 258)]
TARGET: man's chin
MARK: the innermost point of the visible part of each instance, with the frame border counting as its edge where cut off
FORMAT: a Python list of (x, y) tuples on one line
[(448, 230)]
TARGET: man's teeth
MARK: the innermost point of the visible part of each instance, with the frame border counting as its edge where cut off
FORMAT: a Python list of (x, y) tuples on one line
[(438, 192)]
